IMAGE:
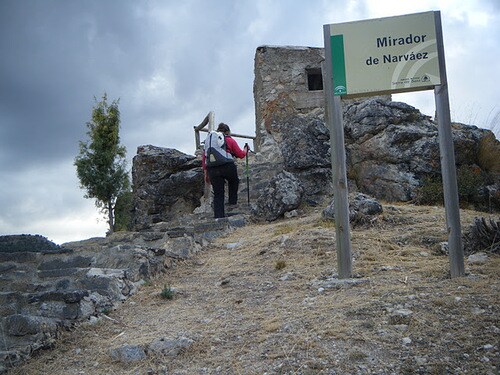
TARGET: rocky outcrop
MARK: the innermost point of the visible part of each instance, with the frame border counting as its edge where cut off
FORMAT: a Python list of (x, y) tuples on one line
[(391, 149), (167, 184), (390, 145)]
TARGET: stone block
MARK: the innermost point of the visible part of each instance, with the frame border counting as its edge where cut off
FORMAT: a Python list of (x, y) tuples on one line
[(22, 325), (68, 262), (128, 353)]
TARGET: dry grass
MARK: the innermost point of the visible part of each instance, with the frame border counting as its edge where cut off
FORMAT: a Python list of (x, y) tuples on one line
[(489, 154), (248, 316)]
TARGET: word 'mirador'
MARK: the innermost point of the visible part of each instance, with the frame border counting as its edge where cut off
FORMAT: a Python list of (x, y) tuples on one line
[(389, 41)]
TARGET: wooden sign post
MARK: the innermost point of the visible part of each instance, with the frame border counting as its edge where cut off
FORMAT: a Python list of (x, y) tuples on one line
[(383, 56)]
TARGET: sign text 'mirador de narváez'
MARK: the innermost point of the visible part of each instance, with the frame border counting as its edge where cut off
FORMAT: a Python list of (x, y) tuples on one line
[(390, 41), (393, 54)]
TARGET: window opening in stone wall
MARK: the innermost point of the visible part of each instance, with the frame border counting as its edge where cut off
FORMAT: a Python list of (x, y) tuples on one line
[(314, 79)]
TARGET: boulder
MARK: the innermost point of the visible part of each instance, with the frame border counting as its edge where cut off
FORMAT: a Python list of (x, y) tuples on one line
[(283, 193), (169, 347), (362, 209), (167, 183), (128, 353)]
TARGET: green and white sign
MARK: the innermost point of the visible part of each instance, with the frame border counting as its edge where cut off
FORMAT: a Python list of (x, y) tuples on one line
[(393, 54)]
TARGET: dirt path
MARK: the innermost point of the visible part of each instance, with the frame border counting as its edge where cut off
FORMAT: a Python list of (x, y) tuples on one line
[(263, 300)]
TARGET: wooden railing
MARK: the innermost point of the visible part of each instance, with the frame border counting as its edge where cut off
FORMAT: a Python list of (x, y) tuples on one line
[(209, 120)]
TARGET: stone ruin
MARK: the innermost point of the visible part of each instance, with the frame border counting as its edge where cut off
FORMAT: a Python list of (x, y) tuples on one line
[(391, 147), (46, 288)]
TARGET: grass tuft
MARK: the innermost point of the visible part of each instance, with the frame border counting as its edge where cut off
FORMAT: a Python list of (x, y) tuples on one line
[(167, 293), (279, 265)]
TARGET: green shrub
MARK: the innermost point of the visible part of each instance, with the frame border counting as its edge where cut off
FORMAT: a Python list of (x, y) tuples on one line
[(280, 264), (470, 178), (489, 154), (430, 191), (167, 293), (123, 212)]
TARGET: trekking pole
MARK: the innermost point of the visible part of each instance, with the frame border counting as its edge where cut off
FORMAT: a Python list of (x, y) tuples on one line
[(248, 174)]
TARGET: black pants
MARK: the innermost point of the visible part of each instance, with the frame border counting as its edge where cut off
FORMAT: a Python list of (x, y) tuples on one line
[(218, 176)]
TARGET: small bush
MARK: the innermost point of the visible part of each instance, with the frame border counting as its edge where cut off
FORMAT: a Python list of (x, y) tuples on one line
[(431, 191), (167, 293), (280, 264), (470, 179), (123, 212), (489, 154), (284, 229)]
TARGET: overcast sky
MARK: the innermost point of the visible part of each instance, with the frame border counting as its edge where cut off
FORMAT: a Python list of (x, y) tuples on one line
[(170, 62)]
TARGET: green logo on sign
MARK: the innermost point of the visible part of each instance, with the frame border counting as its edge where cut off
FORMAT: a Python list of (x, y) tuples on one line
[(338, 62), (339, 90)]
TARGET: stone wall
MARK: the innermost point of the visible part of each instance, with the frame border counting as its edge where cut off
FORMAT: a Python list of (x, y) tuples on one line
[(281, 89), (46, 288)]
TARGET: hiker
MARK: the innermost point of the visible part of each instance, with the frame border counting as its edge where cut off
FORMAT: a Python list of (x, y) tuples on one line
[(218, 166)]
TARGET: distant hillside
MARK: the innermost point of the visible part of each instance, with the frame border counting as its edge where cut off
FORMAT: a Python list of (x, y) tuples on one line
[(27, 242)]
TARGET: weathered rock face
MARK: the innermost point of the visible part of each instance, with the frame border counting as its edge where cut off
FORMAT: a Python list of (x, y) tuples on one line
[(167, 183), (282, 194), (390, 146), (305, 148)]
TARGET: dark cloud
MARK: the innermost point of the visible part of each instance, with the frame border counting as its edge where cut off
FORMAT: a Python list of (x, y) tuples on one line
[(59, 55)]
